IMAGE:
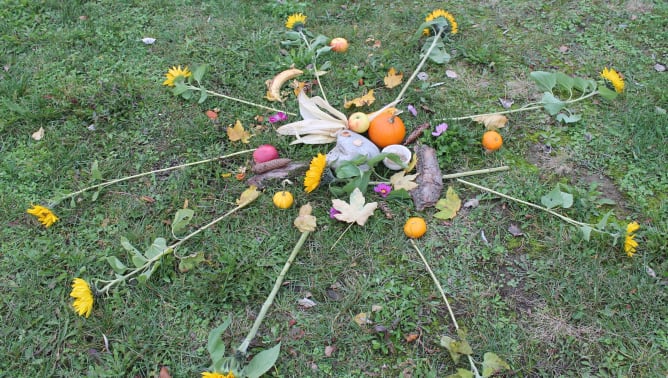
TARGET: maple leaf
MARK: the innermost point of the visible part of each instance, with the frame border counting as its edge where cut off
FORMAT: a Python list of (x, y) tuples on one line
[(305, 221), (249, 195), (238, 133), (393, 78), (449, 205), (492, 121), (399, 180), (367, 99), (356, 210)]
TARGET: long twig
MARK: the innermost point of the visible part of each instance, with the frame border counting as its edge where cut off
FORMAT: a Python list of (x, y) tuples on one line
[(107, 183), (239, 100), (437, 37), (243, 348), (445, 299)]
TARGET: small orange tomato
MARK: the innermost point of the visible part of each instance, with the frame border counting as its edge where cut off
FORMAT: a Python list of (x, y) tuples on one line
[(415, 227)]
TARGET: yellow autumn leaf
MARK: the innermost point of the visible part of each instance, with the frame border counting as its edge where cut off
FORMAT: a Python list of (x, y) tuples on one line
[(362, 319), (448, 206), (492, 121), (238, 133), (249, 195), (297, 86), (393, 78), (367, 99), (305, 221), (399, 181)]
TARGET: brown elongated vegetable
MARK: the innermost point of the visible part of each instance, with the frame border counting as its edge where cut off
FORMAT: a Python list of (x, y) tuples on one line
[(270, 165)]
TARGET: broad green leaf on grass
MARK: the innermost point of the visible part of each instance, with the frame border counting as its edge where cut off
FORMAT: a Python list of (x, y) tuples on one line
[(564, 81), (448, 206), (181, 220), (116, 264), (180, 88), (137, 258), (583, 85), (604, 221), (157, 248), (199, 72), (345, 171), (493, 364), (456, 348), (202, 96), (190, 262), (586, 232), (557, 198), (438, 54), (142, 278), (544, 80), (95, 171), (319, 40), (321, 51), (552, 104), (607, 93), (568, 118), (461, 373), (93, 198), (215, 344), (262, 362)]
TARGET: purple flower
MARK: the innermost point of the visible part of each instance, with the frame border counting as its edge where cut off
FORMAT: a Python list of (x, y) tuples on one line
[(278, 117), (440, 129), (422, 76), (333, 212), (382, 189), (412, 109)]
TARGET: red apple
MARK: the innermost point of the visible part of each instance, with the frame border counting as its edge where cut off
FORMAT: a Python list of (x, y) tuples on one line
[(265, 153), (358, 122), (339, 45)]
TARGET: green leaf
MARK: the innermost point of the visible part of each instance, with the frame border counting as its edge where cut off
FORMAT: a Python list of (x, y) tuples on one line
[(189, 262), (139, 260), (116, 264), (492, 364), (544, 80), (262, 362), (552, 104), (456, 348), (347, 170), (137, 257), (565, 118), (156, 249), (179, 88), (293, 35), (564, 80), (202, 96), (557, 198), (322, 50), (461, 373), (604, 221), (448, 206), (181, 220), (607, 93), (586, 232), (199, 72), (400, 194), (318, 41), (583, 85), (95, 171), (93, 198), (215, 344)]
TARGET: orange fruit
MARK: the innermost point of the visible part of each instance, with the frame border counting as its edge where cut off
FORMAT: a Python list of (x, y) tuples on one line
[(491, 140), (386, 129), (415, 227)]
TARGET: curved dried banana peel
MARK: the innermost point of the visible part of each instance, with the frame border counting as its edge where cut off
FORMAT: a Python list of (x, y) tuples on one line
[(274, 85)]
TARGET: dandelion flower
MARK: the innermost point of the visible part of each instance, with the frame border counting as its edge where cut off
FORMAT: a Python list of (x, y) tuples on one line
[(383, 190), (296, 21), (314, 173), (206, 374), (43, 214), (83, 297), (174, 73), (613, 78), (630, 244), (446, 15)]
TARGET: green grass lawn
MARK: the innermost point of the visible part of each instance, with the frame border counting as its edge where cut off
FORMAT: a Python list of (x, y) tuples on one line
[(548, 302)]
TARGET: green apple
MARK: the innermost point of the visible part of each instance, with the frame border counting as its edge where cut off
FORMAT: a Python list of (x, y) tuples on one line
[(358, 122)]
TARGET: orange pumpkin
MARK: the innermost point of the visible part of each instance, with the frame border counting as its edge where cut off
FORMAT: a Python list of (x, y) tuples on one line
[(492, 140), (386, 129), (415, 227)]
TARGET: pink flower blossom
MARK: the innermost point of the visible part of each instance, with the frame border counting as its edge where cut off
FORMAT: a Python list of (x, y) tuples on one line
[(278, 117), (440, 129), (382, 189), (333, 212), (412, 110)]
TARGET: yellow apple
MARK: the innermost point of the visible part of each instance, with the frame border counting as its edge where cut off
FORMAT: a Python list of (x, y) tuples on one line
[(358, 122), (339, 45)]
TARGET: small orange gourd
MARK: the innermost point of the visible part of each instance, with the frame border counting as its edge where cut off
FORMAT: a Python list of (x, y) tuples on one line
[(415, 227), (386, 129), (492, 140), (283, 199)]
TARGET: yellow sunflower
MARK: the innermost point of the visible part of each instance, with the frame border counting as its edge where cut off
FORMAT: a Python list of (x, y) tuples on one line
[(314, 173), (613, 78), (174, 73), (295, 21), (206, 374), (43, 214), (446, 15), (83, 297), (630, 244)]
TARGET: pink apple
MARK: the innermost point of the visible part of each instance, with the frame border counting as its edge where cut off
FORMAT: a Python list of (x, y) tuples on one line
[(265, 153), (339, 45), (358, 122)]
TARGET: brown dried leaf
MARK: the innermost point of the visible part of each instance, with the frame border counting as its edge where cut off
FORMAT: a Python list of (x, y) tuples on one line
[(492, 121), (305, 221), (367, 99), (306, 303), (164, 372), (329, 350), (39, 134), (238, 133), (362, 319), (515, 230)]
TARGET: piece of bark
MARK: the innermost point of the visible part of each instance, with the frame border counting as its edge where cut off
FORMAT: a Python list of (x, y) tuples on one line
[(429, 178), (413, 136), (280, 173), (270, 165)]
